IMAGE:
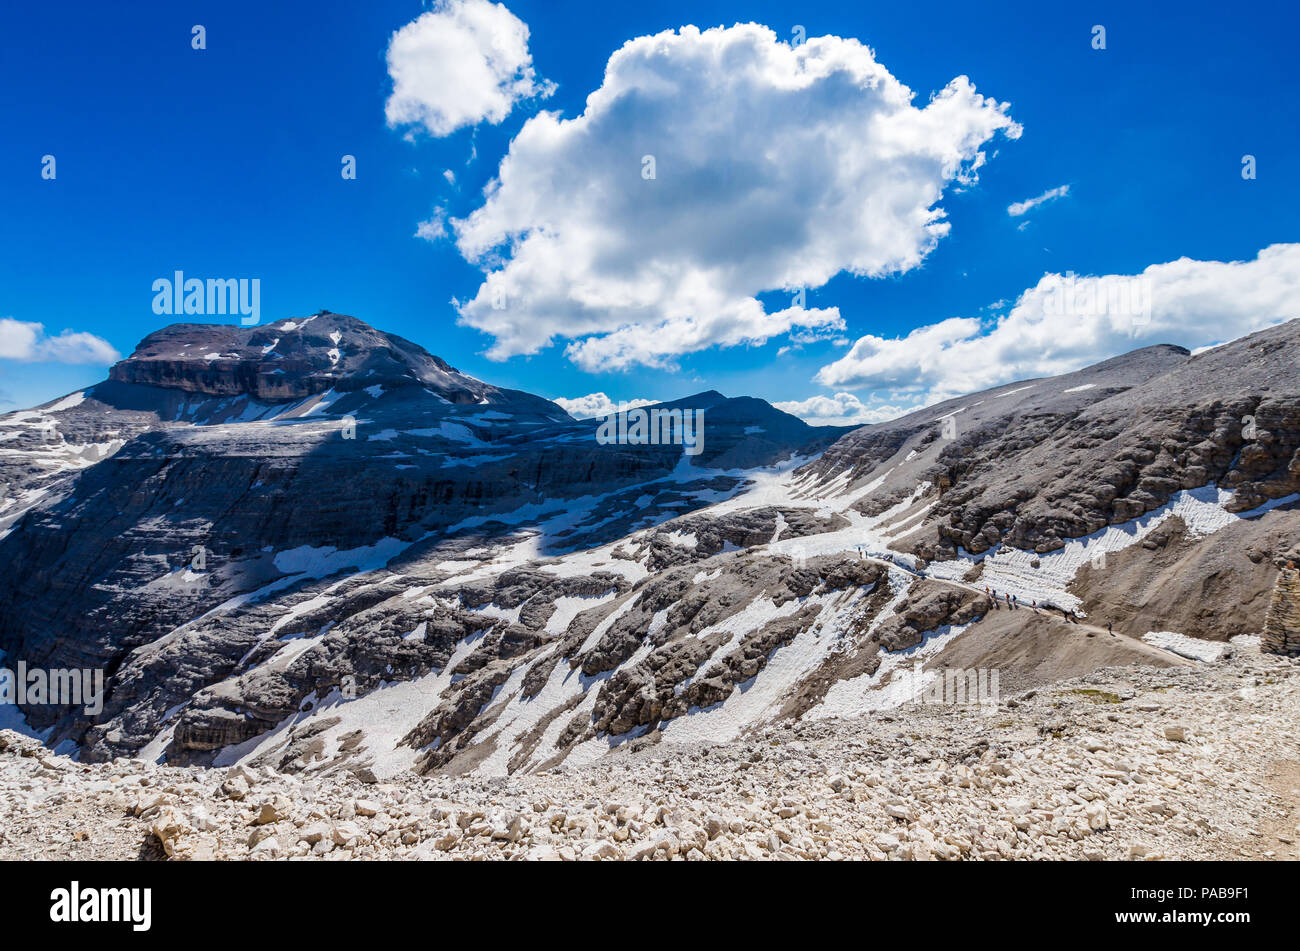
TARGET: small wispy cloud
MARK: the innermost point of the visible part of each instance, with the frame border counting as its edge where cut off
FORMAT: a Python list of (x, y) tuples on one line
[(435, 228), (1019, 208)]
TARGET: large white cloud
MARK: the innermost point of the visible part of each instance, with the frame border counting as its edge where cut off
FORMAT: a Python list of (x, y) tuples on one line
[(775, 168), (597, 404), (28, 341), (1065, 323), (461, 63)]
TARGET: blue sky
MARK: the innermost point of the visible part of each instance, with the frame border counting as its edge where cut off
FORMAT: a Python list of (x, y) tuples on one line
[(225, 162)]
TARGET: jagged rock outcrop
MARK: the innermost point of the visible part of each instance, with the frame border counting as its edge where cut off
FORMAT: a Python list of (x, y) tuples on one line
[(1281, 634), (932, 609), (673, 645)]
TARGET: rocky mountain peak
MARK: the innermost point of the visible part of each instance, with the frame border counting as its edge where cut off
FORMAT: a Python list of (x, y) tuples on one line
[(290, 359)]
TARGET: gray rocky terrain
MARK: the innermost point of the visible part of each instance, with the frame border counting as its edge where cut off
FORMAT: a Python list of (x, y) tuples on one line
[(1124, 764)]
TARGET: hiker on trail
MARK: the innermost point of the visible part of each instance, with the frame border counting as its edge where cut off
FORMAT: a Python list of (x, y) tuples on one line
[(1109, 629)]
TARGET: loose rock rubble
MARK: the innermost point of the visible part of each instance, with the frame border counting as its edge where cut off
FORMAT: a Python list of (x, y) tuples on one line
[(1127, 763)]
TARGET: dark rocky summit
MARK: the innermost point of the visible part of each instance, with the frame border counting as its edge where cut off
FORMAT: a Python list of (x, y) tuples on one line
[(292, 359)]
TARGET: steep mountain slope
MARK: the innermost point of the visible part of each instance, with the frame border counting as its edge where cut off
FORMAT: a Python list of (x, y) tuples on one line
[(477, 584), (1108, 482)]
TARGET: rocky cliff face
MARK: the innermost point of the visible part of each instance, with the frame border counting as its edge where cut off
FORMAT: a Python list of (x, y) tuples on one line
[(1063, 471), (1034, 463)]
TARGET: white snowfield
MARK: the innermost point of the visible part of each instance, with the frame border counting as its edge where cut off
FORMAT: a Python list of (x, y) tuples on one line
[(1192, 647), (1203, 512)]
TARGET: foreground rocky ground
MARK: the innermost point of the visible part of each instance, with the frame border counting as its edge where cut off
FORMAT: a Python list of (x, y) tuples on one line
[(1131, 762)]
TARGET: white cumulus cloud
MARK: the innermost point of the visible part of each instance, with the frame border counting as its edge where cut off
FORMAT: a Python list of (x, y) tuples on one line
[(708, 168), (1016, 209), (463, 62), (842, 409), (28, 341), (597, 404), (1065, 323)]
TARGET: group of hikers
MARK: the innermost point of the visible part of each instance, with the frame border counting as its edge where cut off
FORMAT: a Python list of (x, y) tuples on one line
[(1013, 603)]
